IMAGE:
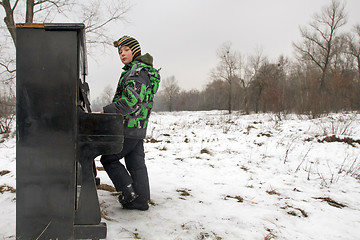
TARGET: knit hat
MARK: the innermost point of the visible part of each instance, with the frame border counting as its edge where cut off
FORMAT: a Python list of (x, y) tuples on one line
[(130, 42)]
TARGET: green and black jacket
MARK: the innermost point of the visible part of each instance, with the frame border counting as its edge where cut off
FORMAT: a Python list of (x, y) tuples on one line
[(135, 94)]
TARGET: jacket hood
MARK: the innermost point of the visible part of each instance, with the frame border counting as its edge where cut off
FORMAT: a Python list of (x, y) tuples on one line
[(146, 58)]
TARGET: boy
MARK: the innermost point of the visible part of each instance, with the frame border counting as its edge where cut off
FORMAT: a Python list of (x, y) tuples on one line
[(134, 99)]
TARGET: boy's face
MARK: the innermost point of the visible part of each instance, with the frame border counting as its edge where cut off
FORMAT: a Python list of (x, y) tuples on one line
[(125, 55)]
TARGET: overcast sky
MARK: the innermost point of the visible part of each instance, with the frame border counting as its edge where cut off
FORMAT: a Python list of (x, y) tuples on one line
[(183, 35)]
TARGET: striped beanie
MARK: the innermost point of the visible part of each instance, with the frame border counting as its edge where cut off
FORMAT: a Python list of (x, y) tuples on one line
[(130, 42)]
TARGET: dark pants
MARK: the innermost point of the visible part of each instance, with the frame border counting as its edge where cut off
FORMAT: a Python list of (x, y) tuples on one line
[(135, 172)]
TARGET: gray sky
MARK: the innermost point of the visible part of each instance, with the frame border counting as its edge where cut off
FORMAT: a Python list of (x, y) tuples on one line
[(183, 35)]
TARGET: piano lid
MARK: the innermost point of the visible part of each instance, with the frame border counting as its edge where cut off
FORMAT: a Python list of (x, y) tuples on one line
[(52, 26)]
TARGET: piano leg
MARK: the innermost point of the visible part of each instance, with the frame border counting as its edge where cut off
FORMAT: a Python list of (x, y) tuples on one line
[(88, 211), (88, 214)]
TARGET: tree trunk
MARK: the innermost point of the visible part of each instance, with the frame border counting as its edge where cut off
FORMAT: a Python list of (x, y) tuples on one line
[(246, 104), (358, 65), (29, 18), (229, 98), (9, 19)]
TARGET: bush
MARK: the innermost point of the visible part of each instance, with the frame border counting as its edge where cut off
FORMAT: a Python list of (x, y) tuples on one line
[(7, 112)]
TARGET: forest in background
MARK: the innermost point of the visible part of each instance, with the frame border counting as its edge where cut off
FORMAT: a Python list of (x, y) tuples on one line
[(323, 76)]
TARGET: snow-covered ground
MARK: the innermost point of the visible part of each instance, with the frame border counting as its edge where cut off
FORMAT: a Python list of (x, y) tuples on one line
[(220, 176)]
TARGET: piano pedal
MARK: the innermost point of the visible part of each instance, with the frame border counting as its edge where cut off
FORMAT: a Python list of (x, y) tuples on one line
[(97, 181)]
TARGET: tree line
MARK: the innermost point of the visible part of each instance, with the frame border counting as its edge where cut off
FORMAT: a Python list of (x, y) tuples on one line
[(324, 75)]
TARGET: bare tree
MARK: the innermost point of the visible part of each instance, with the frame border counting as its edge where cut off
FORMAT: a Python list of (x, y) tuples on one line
[(170, 91), (97, 15), (228, 69), (105, 98), (108, 94), (353, 41), (320, 37), (7, 68), (7, 111), (215, 95), (32, 8), (188, 101), (255, 61), (342, 60)]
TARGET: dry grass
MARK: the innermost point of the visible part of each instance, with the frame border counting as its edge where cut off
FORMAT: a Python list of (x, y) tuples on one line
[(106, 187), (104, 215), (269, 236), (272, 192), (238, 198)]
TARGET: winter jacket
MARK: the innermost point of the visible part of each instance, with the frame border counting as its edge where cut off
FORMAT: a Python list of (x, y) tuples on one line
[(134, 95)]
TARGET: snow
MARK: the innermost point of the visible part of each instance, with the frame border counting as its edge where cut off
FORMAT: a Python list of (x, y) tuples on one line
[(220, 176)]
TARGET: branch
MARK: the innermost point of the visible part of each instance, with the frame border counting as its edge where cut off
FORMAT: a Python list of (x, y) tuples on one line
[(114, 16), (307, 53), (313, 39), (47, 5), (7, 68), (101, 25), (317, 29), (44, 1), (13, 9), (42, 7)]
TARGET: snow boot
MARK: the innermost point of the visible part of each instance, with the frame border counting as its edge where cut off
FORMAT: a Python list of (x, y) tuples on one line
[(142, 188), (127, 195), (137, 204)]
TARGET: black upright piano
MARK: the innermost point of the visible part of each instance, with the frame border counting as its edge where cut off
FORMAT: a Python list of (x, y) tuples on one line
[(57, 136)]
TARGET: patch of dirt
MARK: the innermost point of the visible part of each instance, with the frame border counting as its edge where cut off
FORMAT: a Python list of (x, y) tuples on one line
[(184, 192), (4, 172), (333, 138), (151, 140), (331, 202), (205, 151), (6, 188)]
